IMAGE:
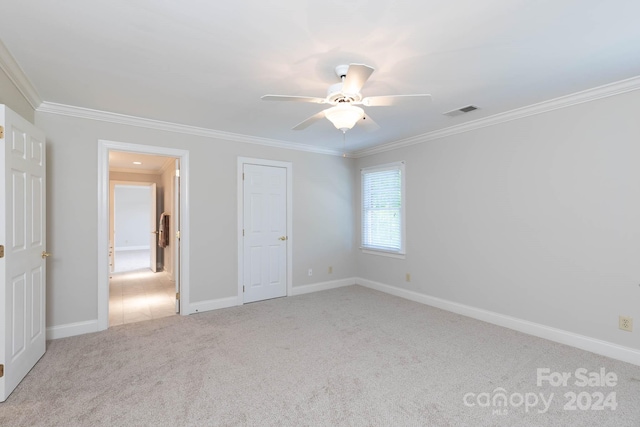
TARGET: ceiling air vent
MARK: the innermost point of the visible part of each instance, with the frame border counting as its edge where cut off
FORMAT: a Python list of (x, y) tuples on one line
[(460, 111)]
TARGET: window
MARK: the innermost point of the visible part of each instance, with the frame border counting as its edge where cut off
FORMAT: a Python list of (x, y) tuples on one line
[(383, 229)]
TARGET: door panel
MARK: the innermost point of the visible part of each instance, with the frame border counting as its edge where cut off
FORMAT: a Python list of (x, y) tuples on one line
[(23, 233), (37, 304), (265, 231), (18, 322)]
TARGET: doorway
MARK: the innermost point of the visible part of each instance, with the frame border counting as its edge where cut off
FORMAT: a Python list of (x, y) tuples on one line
[(264, 229), (144, 293), (141, 283)]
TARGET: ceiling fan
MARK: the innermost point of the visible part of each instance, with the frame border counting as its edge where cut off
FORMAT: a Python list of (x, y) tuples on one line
[(344, 98)]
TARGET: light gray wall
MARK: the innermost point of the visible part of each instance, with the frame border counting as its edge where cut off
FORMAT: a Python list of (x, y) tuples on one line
[(12, 98), (322, 212), (537, 218)]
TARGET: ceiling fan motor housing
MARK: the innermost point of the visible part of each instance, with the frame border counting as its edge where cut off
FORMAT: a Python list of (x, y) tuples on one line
[(341, 71), (335, 95)]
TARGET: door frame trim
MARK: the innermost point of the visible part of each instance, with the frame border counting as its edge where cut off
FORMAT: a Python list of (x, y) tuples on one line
[(104, 147), (289, 212)]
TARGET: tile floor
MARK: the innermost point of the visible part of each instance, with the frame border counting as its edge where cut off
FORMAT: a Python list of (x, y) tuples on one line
[(131, 260), (140, 295)]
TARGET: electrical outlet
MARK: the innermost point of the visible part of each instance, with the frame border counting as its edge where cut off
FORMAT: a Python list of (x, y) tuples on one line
[(311, 272), (330, 270), (625, 323), (408, 278)]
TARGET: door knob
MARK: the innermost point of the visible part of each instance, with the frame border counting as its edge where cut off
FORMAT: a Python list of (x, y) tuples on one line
[(45, 254), (282, 238)]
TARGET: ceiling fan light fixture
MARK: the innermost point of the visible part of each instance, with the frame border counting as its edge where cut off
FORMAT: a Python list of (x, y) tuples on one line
[(344, 117)]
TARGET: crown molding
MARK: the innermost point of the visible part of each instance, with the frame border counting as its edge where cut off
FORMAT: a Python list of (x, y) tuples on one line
[(11, 68), (588, 95), (123, 119)]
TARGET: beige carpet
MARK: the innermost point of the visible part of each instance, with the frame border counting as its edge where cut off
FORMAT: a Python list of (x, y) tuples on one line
[(349, 356)]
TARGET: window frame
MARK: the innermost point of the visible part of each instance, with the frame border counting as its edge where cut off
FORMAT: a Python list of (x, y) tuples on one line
[(401, 252)]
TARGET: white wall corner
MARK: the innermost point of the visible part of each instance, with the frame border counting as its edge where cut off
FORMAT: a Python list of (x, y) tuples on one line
[(323, 286), (72, 329), (582, 342), (15, 73)]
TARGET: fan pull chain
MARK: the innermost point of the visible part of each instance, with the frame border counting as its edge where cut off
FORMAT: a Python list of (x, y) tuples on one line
[(344, 143)]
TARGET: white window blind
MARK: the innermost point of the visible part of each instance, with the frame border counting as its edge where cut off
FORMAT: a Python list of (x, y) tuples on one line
[(383, 208)]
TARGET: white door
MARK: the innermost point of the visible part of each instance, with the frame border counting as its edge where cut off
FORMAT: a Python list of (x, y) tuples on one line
[(153, 242), (176, 233), (265, 232), (23, 235)]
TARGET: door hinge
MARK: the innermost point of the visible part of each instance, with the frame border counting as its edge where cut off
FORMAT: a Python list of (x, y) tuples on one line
[(1, 371), (243, 288), (2, 136), (243, 176), (178, 295), (1, 251), (178, 234), (243, 232)]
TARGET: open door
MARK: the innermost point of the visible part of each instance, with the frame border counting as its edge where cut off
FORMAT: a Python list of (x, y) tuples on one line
[(153, 220), (23, 252), (176, 227)]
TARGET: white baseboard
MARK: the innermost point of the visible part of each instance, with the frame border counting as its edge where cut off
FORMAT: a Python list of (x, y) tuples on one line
[(71, 329), (322, 286), (212, 304), (132, 248), (583, 342)]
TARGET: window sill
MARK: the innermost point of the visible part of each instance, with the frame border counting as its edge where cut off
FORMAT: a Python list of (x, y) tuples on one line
[(396, 255)]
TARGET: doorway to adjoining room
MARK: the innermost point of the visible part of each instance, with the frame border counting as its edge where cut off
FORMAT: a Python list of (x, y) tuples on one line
[(142, 272)]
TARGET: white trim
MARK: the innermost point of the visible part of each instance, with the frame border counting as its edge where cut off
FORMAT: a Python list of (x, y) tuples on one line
[(132, 248), (18, 77), (370, 251), (137, 171), (323, 286), (72, 329), (583, 342), (262, 162), (212, 304), (611, 89), (103, 220), (104, 116), (588, 95)]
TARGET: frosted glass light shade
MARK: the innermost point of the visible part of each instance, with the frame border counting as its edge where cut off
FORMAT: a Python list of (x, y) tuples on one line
[(345, 116)]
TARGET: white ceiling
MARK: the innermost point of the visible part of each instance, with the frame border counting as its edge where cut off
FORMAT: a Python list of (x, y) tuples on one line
[(206, 63), (120, 161)]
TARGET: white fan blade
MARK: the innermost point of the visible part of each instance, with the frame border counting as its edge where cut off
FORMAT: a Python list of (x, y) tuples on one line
[(308, 122), (384, 101), (294, 98), (368, 124), (357, 76)]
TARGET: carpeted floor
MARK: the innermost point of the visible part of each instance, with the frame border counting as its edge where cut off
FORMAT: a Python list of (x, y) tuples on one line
[(349, 356)]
